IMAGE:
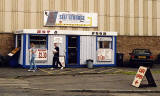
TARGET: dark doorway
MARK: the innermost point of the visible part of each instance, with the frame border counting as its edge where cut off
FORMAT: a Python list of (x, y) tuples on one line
[(73, 50)]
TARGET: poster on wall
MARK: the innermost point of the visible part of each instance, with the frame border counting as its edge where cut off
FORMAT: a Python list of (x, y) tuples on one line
[(57, 40), (41, 55), (74, 19), (104, 54)]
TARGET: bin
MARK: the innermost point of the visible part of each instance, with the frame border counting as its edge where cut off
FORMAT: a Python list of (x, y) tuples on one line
[(119, 59), (90, 63), (158, 59), (1, 60), (13, 60)]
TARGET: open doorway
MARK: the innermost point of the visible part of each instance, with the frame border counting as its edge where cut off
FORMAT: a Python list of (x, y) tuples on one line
[(73, 43)]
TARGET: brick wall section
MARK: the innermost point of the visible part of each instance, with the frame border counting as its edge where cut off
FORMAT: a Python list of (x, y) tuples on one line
[(125, 44), (6, 43)]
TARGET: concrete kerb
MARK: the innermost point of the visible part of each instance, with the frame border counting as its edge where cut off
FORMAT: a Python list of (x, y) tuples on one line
[(98, 90), (112, 91), (74, 74), (62, 74)]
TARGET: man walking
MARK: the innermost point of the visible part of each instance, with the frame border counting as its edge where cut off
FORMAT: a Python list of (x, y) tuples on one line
[(56, 57), (32, 59)]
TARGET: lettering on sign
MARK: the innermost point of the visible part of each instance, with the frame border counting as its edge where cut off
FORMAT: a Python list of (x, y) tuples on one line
[(99, 33), (139, 76), (75, 19), (43, 31), (104, 54), (41, 55), (144, 71)]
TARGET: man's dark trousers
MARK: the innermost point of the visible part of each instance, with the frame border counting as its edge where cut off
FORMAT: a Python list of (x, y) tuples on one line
[(56, 62)]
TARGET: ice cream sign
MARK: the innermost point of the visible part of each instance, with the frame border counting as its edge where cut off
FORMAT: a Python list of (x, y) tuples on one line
[(74, 19)]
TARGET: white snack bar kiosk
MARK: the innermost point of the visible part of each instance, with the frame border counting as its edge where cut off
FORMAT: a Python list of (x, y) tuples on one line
[(76, 47)]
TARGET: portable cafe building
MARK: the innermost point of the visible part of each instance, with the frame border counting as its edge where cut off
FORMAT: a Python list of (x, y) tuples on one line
[(76, 47)]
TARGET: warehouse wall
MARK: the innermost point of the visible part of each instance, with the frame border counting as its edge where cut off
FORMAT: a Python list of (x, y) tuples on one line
[(127, 17)]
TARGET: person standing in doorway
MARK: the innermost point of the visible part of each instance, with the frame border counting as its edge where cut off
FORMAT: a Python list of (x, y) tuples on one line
[(32, 58), (56, 57)]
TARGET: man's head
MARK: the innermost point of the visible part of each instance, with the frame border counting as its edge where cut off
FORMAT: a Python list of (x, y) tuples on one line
[(55, 44)]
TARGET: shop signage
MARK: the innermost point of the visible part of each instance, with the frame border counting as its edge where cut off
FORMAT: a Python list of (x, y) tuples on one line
[(41, 55), (99, 33), (74, 19), (66, 32), (104, 54), (143, 71), (43, 31)]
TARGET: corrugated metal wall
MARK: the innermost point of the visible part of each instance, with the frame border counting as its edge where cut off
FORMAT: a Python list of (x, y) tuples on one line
[(87, 48), (127, 17)]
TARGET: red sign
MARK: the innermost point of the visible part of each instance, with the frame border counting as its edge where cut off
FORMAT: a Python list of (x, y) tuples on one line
[(41, 54), (43, 31), (139, 76)]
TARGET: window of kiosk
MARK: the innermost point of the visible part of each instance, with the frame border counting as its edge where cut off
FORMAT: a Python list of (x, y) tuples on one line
[(104, 50), (40, 41), (104, 44)]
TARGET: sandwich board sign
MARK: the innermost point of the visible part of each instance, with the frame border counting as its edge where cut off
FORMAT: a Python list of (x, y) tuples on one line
[(62, 60), (143, 71)]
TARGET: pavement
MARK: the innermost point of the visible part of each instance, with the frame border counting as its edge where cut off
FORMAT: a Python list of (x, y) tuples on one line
[(100, 80)]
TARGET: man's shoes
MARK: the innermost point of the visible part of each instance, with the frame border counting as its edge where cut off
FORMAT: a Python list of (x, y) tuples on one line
[(29, 70), (62, 67), (52, 68)]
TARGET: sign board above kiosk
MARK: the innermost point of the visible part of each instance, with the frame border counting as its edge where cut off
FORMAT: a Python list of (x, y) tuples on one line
[(65, 32), (74, 19)]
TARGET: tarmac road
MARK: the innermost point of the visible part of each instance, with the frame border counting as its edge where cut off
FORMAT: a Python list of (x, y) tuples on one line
[(73, 85), (12, 91), (74, 82)]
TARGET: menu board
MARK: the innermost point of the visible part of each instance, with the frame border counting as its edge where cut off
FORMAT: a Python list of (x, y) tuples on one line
[(104, 54), (41, 55)]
